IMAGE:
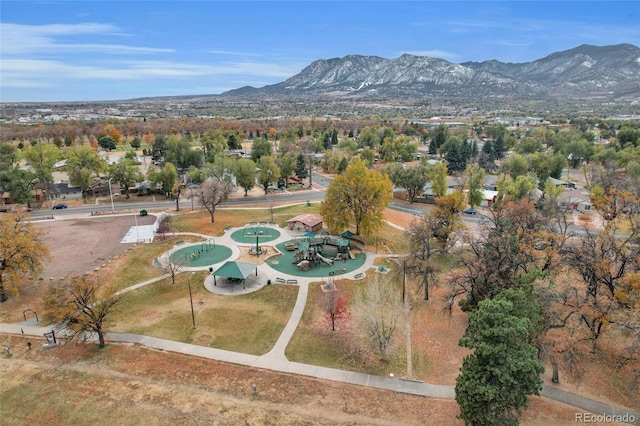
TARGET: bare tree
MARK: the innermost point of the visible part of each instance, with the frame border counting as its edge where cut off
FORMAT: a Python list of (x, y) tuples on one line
[(81, 306), (424, 244), (379, 312), (504, 252), (165, 226), (212, 193), (170, 265)]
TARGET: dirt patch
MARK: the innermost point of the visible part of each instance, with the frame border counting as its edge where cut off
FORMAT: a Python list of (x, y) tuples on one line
[(247, 254), (77, 246), (130, 384), (82, 245)]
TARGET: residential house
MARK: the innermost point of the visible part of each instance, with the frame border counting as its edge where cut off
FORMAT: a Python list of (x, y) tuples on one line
[(578, 200)]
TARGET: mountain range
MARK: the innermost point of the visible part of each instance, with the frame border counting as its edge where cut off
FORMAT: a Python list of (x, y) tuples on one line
[(584, 72)]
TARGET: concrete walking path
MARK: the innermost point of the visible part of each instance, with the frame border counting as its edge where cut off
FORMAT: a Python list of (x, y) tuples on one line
[(272, 361), (275, 359)]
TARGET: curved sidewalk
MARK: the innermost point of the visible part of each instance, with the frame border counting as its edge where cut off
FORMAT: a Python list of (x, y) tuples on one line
[(282, 365), (276, 360)]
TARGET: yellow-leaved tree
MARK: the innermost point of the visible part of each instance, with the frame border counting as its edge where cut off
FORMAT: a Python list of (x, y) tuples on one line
[(22, 252), (82, 307), (359, 196)]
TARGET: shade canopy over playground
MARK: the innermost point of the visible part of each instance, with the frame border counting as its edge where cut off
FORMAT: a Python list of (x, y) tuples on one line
[(237, 271), (347, 234)]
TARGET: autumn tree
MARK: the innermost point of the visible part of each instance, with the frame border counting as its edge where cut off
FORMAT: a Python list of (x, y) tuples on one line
[(211, 194), (334, 304), (516, 165), (22, 252), (522, 187), (223, 168), (437, 175), (550, 207), (475, 184), (395, 148), (112, 132), (82, 306), (605, 262), (269, 172), (424, 243), (165, 179), (503, 252), (378, 310), (447, 217), (245, 172), (213, 143), (357, 196), (287, 164), (496, 380)]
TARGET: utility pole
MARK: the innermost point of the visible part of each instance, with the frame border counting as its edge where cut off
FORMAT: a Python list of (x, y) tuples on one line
[(193, 316)]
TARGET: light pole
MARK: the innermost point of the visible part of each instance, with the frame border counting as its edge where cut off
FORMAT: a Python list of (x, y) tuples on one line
[(193, 316), (111, 196), (191, 187)]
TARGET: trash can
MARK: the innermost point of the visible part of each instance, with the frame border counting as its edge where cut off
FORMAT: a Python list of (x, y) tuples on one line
[(268, 282), (308, 203), (143, 212)]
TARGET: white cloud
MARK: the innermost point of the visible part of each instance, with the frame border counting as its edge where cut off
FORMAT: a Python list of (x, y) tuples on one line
[(34, 72), (17, 39)]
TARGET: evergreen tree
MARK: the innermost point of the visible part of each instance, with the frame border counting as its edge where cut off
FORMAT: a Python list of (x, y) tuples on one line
[(496, 380), (326, 140), (499, 148), (342, 166), (439, 138), (301, 167), (487, 149)]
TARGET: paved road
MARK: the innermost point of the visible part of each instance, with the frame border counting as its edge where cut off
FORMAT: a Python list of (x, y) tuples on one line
[(275, 359)]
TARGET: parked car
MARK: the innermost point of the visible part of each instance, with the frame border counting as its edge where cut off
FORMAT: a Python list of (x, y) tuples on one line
[(470, 211), (59, 206)]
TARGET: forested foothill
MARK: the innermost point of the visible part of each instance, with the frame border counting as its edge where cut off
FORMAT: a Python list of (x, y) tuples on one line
[(560, 276)]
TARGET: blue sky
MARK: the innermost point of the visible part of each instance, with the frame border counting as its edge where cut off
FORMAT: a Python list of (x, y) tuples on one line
[(106, 50)]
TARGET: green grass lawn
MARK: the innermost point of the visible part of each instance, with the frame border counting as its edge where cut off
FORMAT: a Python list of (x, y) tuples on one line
[(253, 322), (201, 221), (249, 323), (137, 261)]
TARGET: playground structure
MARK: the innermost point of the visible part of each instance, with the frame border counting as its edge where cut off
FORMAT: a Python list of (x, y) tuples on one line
[(197, 251), (194, 255), (308, 255), (311, 250)]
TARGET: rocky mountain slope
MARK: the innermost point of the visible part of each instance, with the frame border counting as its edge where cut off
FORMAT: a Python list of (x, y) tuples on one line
[(583, 72)]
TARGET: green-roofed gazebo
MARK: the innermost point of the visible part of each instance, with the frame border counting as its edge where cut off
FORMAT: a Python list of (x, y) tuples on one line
[(236, 271)]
